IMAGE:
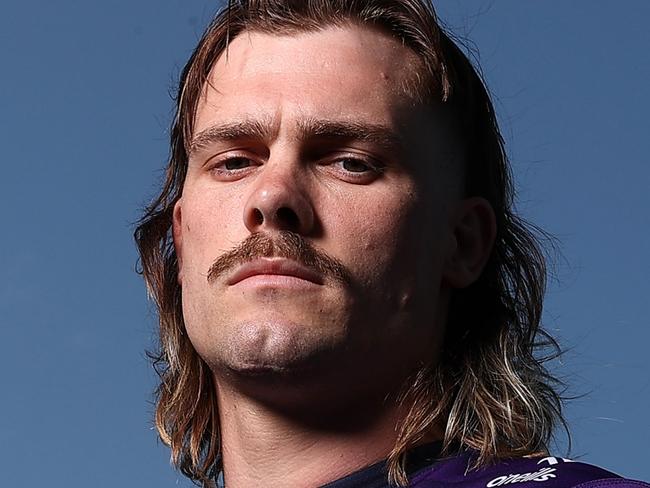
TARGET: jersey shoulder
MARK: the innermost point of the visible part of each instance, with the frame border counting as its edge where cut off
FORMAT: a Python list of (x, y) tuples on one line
[(546, 472)]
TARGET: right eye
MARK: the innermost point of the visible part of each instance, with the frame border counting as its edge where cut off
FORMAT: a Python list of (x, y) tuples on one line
[(231, 168), (236, 163)]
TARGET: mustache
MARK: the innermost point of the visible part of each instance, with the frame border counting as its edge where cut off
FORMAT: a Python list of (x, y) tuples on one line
[(283, 244)]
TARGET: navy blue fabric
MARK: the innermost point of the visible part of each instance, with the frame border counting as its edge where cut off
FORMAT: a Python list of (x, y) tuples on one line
[(376, 476), (427, 469)]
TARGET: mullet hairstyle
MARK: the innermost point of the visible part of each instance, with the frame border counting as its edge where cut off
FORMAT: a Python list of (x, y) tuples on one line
[(490, 389)]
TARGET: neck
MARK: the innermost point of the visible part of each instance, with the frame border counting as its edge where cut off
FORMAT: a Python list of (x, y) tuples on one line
[(265, 446)]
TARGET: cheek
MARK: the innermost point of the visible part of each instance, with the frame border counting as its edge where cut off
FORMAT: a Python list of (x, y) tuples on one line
[(209, 227), (382, 241)]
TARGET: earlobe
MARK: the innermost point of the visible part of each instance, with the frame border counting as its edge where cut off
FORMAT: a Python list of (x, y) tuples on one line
[(474, 232), (177, 235)]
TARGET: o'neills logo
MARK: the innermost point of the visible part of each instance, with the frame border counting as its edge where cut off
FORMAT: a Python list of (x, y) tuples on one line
[(544, 474)]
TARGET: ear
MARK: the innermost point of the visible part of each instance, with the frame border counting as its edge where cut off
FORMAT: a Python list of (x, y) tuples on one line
[(177, 235), (473, 228)]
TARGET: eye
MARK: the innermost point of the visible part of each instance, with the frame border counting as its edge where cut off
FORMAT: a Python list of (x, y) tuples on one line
[(355, 165), (230, 168), (356, 169), (235, 163)]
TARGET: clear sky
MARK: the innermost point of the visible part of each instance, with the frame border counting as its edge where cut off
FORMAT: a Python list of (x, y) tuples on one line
[(84, 112)]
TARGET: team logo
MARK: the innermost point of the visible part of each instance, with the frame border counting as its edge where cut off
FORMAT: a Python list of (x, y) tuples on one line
[(553, 460), (543, 474)]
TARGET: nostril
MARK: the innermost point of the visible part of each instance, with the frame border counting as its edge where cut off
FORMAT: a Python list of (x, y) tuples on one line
[(288, 218), (258, 217)]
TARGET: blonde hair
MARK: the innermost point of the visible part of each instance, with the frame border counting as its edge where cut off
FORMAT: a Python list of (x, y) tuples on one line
[(490, 389)]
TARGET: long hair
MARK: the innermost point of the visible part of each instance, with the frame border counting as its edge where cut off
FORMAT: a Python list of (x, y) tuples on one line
[(490, 389)]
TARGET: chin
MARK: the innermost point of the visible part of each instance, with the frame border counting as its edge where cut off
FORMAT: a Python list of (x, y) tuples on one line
[(283, 365), (275, 347)]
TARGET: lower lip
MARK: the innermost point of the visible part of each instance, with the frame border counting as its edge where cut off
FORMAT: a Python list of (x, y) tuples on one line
[(275, 281)]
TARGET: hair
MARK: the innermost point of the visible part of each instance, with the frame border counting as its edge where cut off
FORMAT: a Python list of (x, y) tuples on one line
[(490, 390)]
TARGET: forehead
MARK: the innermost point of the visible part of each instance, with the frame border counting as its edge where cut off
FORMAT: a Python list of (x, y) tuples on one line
[(349, 73)]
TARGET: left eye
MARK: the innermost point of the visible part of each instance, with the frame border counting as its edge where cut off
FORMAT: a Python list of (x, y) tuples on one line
[(355, 165), (355, 169)]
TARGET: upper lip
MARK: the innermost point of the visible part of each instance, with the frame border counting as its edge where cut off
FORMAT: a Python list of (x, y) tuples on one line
[(274, 266)]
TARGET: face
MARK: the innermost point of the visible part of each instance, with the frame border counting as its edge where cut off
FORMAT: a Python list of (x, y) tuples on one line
[(314, 224)]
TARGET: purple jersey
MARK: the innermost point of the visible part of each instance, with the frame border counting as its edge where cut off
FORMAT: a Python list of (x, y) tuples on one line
[(427, 469), (546, 472)]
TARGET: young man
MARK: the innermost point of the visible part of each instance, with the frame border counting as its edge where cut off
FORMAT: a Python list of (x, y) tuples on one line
[(345, 296)]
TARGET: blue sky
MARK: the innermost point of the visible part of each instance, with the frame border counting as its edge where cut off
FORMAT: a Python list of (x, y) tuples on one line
[(84, 111)]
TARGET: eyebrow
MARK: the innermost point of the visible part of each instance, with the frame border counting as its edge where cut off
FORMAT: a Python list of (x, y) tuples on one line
[(246, 129), (307, 129), (358, 131)]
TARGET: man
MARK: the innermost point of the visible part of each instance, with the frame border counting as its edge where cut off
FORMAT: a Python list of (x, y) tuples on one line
[(345, 296)]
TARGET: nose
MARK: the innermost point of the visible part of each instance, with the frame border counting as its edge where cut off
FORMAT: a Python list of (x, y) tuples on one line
[(279, 202)]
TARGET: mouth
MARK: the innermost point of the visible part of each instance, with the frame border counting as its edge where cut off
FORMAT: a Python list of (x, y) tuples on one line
[(277, 271)]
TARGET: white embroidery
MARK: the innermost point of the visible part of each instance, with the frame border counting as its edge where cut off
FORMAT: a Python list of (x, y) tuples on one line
[(553, 460), (543, 474), (550, 460)]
